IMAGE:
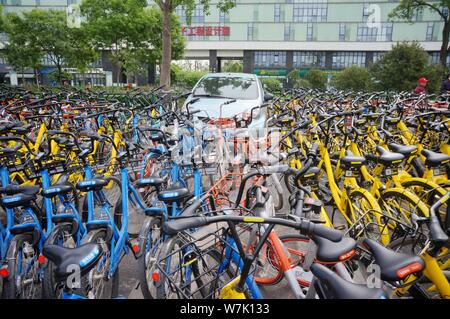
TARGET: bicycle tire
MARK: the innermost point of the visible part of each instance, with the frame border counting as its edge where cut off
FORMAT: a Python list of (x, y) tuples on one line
[(98, 236), (49, 290), (10, 283), (142, 261), (279, 275)]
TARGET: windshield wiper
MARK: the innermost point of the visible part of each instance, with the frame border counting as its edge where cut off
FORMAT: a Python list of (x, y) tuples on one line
[(211, 95)]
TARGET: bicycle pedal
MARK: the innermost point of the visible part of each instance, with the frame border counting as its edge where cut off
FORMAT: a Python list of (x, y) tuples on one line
[(340, 227)]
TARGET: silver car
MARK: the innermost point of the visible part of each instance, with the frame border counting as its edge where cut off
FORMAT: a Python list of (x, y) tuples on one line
[(230, 95)]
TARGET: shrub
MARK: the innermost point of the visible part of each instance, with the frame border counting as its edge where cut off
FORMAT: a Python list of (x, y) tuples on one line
[(302, 84), (353, 78), (185, 78), (316, 78), (435, 74), (271, 84), (233, 66)]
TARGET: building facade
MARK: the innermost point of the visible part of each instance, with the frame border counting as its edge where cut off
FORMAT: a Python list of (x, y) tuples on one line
[(273, 37)]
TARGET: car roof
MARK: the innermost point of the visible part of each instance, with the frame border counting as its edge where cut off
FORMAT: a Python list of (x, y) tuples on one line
[(231, 74)]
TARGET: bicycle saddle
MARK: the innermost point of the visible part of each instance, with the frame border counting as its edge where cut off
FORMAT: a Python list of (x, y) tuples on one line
[(18, 200), (55, 190), (350, 160), (20, 189), (92, 184), (173, 194), (387, 157), (434, 159), (334, 252), (66, 259), (394, 266), (406, 150), (338, 288), (150, 181)]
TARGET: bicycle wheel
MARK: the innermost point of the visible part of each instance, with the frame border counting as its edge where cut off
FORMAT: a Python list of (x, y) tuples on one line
[(401, 204), (268, 271), (62, 235), (152, 241), (23, 280), (97, 284), (185, 271), (360, 202)]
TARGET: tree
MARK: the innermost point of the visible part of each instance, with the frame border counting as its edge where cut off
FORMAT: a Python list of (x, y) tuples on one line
[(233, 66), (316, 78), (130, 30), (38, 33), (407, 8), (400, 68), (435, 74), (19, 51), (353, 78), (167, 8), (82, 53)]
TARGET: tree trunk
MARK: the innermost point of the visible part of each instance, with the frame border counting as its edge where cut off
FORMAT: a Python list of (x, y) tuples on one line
[(444, 46), (166, 48), (59, 75), (36, 75)]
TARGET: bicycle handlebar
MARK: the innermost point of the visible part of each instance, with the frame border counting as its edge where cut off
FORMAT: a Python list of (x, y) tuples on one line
[(306, 227)]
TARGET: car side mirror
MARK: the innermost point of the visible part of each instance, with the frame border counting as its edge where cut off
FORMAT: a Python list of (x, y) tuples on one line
[(268, 97)]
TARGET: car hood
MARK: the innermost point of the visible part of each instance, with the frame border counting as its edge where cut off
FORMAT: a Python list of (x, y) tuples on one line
[(212, 107)]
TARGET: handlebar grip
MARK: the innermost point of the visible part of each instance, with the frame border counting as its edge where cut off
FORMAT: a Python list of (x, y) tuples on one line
[(268, 170), (175, 226), (327, 233)]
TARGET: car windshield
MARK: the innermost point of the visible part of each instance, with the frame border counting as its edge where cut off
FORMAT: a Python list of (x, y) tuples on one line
[(233, 87)]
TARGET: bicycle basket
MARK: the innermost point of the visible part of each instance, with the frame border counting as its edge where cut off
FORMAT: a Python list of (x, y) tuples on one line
[(197, 268)]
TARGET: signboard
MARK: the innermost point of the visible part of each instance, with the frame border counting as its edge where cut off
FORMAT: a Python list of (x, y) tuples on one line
[(205, 30), (270, 72)]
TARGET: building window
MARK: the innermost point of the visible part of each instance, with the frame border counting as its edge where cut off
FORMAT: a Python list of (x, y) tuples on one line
[(376, 56), (430, 31), (308, 59), (250, 31), (310, 32), (198, 14), (434, 58), (345, 59), (287, 32), (372, 34), (277, 12), (47, 60), (310, 11), (181, 13), (97, 63), (342, 29), (224, 17), (270, 59)]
